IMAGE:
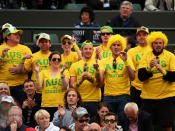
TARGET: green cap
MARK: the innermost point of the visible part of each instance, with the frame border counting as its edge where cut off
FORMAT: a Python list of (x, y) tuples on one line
[(12, 30), (106, 28), (86, 43)]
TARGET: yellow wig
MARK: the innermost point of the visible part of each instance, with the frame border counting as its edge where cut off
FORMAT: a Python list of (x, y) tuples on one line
[(117, 38), (156, 35)]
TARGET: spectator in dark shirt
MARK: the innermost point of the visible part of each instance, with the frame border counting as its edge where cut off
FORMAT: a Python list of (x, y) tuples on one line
[(125, 19)]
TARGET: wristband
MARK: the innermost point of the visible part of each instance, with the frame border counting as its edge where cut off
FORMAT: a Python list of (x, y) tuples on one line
[(126, 63)]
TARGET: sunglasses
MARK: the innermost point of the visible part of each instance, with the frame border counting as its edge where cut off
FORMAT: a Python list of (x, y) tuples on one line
[(54, 59), (107, 121), (114, 64), (64, 42), (107, 33), (81, 121)]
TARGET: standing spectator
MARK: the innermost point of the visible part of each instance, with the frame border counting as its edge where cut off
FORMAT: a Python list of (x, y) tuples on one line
[(5, 105), (102, 110), (111, 123), (87, 18), (136, 54), (63, 116), (134, 119), (125, 19), (12, 53), (69, 57), (4, 28), (15, 118), (42, 117), (157, 72), (53, 82), (102, 51), (81, 118), (31, 103), (84, 77), (116, 73), (159, 5)]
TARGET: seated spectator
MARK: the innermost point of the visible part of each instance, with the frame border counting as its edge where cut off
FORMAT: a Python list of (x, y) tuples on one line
[(159, 5), (42, 118), (111, 124), (4, 90), (64, 128), (5, 105), (81, 118), (133, 119), (87, 17), (102, 110), (15, 119), (63, 116), (94, 127), (31, 103), (125, 19)]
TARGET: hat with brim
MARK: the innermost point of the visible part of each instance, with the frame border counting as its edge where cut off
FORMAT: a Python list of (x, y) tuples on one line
[(65, 37), (6, 26), (106, 29), (44, 36), (142, 28), (87, 42), (12, 30), (8, 99), (80, 112)]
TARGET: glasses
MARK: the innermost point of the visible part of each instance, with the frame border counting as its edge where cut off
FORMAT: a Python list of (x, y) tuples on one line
[(107, 121), (81, 121), (106, 33), (114, 64), (64, 42), (54, 59)]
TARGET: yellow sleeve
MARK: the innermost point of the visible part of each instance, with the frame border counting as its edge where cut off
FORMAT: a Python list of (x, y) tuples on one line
[(131, 63), (143, 62), (102, 65), (172, 63), (72, 70), (66, 73)]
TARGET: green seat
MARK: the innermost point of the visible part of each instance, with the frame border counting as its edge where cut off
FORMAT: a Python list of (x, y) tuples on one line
[(53, 38), (137, 7), (71, 6)]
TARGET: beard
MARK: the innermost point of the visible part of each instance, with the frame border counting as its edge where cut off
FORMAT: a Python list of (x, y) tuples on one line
[(157, 53)]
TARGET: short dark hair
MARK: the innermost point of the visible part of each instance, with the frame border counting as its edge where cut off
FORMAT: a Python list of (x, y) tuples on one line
[(53, 53), (111, 114), (90, 11), (28, 80)]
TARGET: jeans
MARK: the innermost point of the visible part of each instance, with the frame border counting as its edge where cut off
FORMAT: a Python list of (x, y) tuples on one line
[(117, 103)]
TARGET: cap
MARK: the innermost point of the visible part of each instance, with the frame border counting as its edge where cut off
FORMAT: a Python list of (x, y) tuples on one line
[(12, 30), (30, 129), (8, 99), (106, 28), (44, 35), (65, 36), (142, 28), (6, 26), (86, 43), (80, 112)]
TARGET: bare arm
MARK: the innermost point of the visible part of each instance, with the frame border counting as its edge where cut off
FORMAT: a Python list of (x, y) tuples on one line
[(64, 80), (39, 81)]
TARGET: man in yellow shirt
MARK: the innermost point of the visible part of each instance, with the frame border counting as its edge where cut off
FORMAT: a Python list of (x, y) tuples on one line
[(157, 72), (102, 51), (11, 54), (136, 55), (116, 73), (84, 77), (69, 57)]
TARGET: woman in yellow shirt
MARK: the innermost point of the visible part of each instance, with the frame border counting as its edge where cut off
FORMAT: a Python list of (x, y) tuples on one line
[(53, 82)]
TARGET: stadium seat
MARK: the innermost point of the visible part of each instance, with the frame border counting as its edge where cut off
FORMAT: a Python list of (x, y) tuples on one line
[(71, 6), (137, 7)]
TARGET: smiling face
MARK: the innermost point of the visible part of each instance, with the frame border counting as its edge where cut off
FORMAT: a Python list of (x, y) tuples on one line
[(102, 112), (4, 90), (14, 37), (66, 45), (29, 88), (55, 61), (44, 44), (110, 122), (43, 121), (116, 48), (87, 51)]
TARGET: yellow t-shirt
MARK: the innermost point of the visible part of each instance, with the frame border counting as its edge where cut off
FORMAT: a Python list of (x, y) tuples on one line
[(41, 59), (52, 91), (69, 60), (117, 81), (155, 87), (89, 92), (105, 52), (13, 57), (136, 55)]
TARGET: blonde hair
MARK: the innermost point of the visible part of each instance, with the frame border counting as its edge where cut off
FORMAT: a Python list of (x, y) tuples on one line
[(6, 85), (40, 113), (117, 38), (133, 106), (156, 35)]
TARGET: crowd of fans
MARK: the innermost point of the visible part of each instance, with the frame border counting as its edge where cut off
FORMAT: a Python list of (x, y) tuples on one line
[(112, 87)]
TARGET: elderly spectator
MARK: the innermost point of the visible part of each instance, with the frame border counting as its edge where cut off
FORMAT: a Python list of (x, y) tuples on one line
[(134, 119), (94, 127), (125, 19), (4, 90), (63, 116), (42, 118), (15, 118)]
